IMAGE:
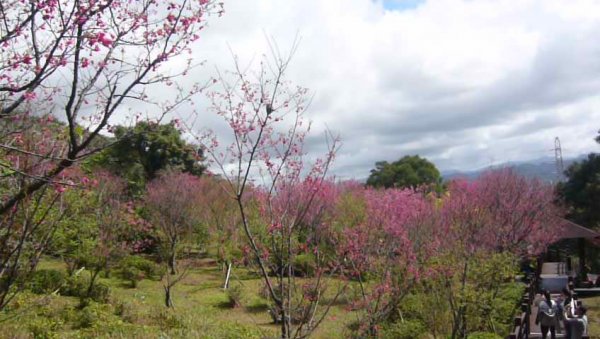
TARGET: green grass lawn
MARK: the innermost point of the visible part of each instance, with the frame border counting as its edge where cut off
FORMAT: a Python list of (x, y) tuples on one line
[(593, 307), (201, 311)]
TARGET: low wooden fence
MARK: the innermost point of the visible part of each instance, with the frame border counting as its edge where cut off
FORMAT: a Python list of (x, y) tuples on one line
[(521, 325), (521, 329)]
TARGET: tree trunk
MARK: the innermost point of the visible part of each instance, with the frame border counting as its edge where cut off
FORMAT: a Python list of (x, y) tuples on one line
[(172, 261), (168, 299), (92, 281), (460, 318), (284, 323)]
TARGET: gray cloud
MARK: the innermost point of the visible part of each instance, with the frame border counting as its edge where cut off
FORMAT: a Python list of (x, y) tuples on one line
[(464, 83)]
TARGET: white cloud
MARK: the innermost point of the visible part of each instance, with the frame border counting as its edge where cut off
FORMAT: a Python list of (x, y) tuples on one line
[(460, 82)]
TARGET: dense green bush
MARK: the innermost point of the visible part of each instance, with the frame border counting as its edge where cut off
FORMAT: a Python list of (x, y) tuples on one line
[(46, 281), (135, 268), (131, 274), (44, 328), (505, 306), (95, 315), (408, 329), (78, 287)]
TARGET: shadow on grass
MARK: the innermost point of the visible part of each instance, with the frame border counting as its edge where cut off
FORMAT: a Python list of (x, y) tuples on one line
[(227, 305), (340, 301), (257, 308)]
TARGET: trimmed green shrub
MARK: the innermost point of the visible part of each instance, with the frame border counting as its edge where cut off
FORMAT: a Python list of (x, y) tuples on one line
[(78, 287), (46, 281), (408, 329), (95, 315), (100, 293), (135, 268), (131, 274)]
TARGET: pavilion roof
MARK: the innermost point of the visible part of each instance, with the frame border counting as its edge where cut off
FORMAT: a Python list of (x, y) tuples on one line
[(571, 230)]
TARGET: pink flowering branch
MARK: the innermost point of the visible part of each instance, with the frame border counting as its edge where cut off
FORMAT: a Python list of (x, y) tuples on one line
[(107, 53), (265, 116)]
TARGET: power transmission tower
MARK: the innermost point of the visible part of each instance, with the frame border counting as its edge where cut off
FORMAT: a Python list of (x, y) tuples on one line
[(558, 159)]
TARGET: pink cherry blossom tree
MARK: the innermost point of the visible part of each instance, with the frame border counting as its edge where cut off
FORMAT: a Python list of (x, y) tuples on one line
[(82, 61), (93, 235), (25, 234), (27, 229), (392, 244), (221, 218), (500, 212), (67, 68), (265, 165), (172, 201)]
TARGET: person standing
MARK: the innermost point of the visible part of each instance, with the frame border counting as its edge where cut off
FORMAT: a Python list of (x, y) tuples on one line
[(563, 302), (547, 316), (578, 324)]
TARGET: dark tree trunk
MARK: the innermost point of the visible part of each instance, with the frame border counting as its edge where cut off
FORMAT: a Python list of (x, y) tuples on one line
[(168, 299), (172, 259)]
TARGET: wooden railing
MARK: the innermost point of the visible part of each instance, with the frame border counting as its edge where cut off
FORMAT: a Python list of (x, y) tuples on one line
[(521, 324), (521, 328)]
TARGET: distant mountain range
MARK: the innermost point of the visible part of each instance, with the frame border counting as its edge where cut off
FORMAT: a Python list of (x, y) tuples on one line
[(542, 168)]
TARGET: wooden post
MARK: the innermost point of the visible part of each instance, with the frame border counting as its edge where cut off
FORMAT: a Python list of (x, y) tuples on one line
[(227, 277), (517, 321)]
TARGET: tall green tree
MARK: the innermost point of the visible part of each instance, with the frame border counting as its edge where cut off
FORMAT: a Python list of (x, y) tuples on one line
[(144, 150), (581, 191), (410, 171)]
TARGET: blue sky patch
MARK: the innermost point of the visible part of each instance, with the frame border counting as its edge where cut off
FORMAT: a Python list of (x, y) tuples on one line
[(402, 5)]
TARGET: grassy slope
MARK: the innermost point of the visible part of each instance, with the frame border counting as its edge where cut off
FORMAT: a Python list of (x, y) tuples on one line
[(200, 311)]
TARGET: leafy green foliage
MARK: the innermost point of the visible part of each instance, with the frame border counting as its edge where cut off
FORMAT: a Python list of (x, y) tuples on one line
[(135, 268), (79, 287), (581, 191), (45, 328), (409, 329), (146, 149), (94, 315), (410, 171), (304, 265), (490, 298), (46, 281)]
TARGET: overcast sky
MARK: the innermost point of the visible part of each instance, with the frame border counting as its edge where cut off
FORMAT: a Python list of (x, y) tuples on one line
[(465, 84)]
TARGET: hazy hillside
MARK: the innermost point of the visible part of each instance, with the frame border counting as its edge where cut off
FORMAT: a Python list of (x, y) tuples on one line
[(542, 168)]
